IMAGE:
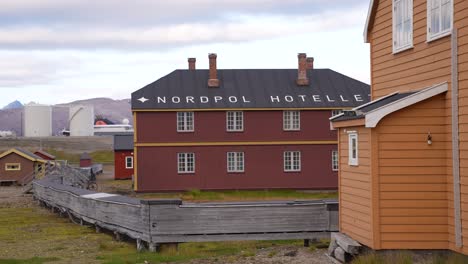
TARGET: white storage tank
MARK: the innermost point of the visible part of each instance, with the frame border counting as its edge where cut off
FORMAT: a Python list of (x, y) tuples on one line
[(81, 120), (37, 120)]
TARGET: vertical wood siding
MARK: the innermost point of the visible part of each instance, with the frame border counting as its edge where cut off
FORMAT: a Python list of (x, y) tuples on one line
[(355, 188)]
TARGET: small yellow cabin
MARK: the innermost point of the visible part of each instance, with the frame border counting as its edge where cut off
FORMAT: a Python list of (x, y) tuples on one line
[(403, 177)]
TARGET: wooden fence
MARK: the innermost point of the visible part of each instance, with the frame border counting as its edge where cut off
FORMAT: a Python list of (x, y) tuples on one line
[(173, 221)]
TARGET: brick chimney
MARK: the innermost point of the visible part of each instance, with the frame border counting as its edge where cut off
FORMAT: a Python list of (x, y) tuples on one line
[(302, 79), (191, 63), (213, 80), (310, 63)]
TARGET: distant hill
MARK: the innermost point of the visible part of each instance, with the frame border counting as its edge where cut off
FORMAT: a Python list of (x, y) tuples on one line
[(13, 105), (114, 110)]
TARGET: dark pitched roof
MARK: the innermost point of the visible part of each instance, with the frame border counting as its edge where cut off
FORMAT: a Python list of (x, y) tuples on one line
[(85, 156), (254, 88), (123, 142), (360, 111), (22, 152), (28, 153), (45, 154)]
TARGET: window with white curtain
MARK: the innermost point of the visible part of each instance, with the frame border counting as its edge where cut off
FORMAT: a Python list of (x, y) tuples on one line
[(439, 18), (402, 25)]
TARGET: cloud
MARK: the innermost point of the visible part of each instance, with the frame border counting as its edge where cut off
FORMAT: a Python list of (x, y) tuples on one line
[(18, 70), (241, 28)]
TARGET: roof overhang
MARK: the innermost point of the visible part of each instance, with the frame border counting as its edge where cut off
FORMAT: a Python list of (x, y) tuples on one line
[(369, 20), (10, 151), (348, 123), (373, 117)]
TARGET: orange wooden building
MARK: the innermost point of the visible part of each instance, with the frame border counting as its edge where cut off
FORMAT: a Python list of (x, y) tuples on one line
[(403, 177)]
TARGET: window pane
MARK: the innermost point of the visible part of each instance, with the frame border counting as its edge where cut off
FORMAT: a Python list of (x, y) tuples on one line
[(445, 16)]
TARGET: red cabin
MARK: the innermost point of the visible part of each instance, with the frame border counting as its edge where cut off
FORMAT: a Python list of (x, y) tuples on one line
[(241, 129), (44, 155), (123, 157)]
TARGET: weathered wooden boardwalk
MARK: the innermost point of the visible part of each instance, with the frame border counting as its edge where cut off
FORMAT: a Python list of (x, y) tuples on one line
[(171, 221)]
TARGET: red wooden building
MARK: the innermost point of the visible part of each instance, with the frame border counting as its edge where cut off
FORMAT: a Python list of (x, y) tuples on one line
[(123, 157), (44, 155), (240, 129)]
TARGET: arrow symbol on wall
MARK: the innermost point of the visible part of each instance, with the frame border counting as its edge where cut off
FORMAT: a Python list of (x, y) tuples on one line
[(143, 99)]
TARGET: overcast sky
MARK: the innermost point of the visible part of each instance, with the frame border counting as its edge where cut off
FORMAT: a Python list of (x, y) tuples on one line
[(57, 51)]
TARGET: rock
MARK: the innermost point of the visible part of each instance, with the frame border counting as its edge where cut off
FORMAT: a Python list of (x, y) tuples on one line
[(346, 243), (340, 254), (331, 248), (291, 253)]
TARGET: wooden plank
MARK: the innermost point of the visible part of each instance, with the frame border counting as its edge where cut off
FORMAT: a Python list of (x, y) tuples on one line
[(419, 237), (412, 212), (414, 179), (413, 203), (415, 220), (409, 194), (414, 245), (416, 228)]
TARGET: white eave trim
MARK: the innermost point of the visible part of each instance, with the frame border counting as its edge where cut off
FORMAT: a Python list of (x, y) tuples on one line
[(366, 27), (373, 117)]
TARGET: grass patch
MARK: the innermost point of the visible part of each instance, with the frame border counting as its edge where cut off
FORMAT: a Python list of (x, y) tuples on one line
[(101, 156), (241, 195)]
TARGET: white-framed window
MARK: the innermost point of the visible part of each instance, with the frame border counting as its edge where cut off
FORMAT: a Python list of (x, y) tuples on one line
[(129, 162), (336, 112), (291, 120), (334, 160), (292, 160), (235, 161), (439, 18), (402, 25), (353, 149), (185, 162), (185, 122), (12, 166), (234, 121)]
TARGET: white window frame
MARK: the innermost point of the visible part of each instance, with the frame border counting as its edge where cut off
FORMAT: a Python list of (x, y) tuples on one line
[(353, 160), (433, 36), (185, 121), (234, 121), (291, 120), (398, 48), (336, 112), (235, 161), (335, 160), (127, 160), (12, 166), (183, 162), (289, 161)]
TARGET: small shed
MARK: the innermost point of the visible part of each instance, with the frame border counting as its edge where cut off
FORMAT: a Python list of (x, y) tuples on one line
[(123, 156), (18, 166), (44, 155), (85, 160)]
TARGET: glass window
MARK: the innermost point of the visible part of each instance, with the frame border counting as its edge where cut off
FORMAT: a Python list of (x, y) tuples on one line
[(336, 112), (402, 25), (129, 162), (334, 160), (185, 162), (234, 121), (184, 121), (439, 18), (292, 160), (353, 149), (291, 120), (12, 166), (235, 161)]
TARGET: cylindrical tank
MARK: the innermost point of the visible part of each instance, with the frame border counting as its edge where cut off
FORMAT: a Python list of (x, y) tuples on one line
[(37, 120), (81, 120)]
